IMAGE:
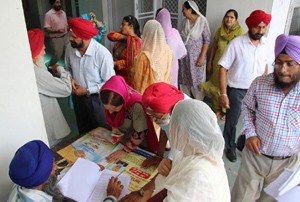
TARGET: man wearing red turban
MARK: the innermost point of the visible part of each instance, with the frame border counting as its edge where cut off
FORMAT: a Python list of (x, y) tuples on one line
[(91, 65), (49, 88), (256, 17), (244, 59), (159, 100)]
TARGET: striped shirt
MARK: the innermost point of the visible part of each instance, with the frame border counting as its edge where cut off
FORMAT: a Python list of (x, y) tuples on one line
[(272, 116)]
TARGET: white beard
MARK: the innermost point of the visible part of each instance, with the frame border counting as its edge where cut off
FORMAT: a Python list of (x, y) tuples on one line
[(40, 62), (163, 122)]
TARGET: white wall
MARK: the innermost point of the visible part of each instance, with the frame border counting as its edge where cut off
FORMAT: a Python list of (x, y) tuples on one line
[(21, 117), (278, 9), (216, 10)]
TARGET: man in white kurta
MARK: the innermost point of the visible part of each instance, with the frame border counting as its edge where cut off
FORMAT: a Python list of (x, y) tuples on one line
[(50, 88)]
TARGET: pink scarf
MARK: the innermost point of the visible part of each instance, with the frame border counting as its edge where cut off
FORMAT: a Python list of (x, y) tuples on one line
[(118, 85), (172, 35)]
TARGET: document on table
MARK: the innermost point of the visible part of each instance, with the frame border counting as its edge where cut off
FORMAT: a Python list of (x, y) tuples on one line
[(84, 182), (285, 186)]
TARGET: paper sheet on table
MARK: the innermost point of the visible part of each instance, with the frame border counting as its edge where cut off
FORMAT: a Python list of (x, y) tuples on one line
[(99, 193), (84, 181)]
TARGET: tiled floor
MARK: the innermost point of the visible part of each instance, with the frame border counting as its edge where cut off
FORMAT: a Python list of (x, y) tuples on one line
[(232, 168)]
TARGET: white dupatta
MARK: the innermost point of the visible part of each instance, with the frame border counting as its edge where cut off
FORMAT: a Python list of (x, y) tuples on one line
[(197, 144), (195, 31)]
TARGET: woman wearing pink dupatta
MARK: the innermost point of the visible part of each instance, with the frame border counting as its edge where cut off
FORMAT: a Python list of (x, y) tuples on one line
[(125, 114), (174, 40)]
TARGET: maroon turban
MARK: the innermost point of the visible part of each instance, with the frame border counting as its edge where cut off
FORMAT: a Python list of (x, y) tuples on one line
[(291, 45), (36, 41), (83, 28), (161, 97), (257, 17)]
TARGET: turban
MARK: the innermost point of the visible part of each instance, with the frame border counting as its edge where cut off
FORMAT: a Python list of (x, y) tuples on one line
[(257, 17), (161, 97), (82, 28), (291, 45), (36, 41), (32, 164)]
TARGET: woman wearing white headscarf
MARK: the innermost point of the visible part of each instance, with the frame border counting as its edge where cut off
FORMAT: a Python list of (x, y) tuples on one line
[(153, 63), (196, 36), (197, 172)]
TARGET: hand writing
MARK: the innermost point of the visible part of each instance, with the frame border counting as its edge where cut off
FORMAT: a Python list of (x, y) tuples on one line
[(114, 187)]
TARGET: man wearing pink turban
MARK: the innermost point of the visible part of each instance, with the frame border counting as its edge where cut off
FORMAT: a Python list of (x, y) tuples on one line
[(244, 59), (271, 116), (91, 65)]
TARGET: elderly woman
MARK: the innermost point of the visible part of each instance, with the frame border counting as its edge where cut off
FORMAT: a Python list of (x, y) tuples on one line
[(173, 40), (196, 36), (229, 29), (197, 172), (125, 114), (128, 45), (153, 63)]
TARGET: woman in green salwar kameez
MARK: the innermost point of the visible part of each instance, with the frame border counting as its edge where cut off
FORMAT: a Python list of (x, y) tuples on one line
[(229, 29)]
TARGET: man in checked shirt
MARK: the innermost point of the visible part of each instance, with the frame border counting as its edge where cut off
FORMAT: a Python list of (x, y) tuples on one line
[(271, 116)]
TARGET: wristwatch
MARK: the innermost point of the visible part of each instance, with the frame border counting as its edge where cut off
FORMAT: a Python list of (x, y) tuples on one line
[(141, 192), (88, 94)]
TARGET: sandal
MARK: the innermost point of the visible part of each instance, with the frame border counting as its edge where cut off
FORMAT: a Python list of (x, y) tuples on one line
[(223, 117)]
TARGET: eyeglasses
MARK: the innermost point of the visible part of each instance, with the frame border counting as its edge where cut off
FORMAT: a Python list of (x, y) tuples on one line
[(154, 115), (287, 65)]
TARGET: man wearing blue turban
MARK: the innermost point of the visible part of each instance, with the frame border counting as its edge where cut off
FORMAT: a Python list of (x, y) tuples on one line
[(271, 117), (32, 169)]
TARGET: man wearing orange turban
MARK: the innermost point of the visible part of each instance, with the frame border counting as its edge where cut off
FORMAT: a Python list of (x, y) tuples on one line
[(244, 59), (91, 65), (49, 88)]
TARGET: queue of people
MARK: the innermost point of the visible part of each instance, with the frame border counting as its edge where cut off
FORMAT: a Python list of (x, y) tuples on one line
[(138, 85)]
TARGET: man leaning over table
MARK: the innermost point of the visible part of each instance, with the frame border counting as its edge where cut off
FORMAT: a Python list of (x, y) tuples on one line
[(159, 100), (271, 116), (33, 168)]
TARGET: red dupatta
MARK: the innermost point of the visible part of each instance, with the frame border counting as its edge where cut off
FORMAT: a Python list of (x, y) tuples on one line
[(133, 47), (118, 85)]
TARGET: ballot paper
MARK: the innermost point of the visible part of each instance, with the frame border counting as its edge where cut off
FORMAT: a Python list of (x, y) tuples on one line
[(285, 186), (85, 183)]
